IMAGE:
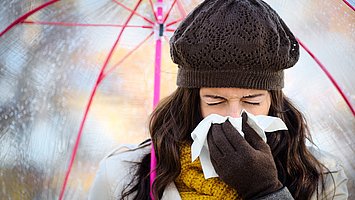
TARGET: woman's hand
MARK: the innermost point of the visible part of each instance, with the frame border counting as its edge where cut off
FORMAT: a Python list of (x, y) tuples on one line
[(245, 164)]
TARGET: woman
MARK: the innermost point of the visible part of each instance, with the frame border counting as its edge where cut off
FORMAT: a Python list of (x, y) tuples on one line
[(231, 55)]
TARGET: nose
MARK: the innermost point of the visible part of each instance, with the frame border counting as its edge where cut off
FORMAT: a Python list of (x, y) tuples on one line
[(234, 109)]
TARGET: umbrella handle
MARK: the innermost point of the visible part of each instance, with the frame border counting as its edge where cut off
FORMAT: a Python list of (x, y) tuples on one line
[(153, 173)]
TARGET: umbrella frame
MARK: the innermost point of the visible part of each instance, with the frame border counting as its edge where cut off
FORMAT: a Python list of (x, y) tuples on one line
[(160, 26)]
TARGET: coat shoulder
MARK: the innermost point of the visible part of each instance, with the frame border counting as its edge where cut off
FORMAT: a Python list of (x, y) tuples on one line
[(330, 162), (117, 170), (335, 179)]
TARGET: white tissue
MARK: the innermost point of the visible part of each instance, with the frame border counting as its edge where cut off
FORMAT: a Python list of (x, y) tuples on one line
[(199, 147)]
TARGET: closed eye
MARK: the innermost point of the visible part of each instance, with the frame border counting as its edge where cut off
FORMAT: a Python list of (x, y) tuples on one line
[(212, 104), (252, 103)]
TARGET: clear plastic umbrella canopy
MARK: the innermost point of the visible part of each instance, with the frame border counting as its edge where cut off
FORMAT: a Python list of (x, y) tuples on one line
[(78, 78)]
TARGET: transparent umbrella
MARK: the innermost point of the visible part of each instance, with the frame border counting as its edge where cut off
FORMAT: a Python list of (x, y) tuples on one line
[(322, 82), (63, 63), (62, 59)]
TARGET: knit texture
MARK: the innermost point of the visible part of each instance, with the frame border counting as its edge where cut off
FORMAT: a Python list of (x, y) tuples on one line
[(192, 185), (233, 43)]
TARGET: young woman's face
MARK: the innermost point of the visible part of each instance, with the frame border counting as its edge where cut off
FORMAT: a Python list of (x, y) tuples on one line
[(231, 101)]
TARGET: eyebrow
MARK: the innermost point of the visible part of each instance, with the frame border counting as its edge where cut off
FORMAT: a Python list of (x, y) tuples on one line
[(244, 97), (214, 96), (252, 96)]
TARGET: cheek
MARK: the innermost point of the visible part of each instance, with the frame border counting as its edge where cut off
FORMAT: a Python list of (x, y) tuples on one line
[(207, 110), (262, 109)]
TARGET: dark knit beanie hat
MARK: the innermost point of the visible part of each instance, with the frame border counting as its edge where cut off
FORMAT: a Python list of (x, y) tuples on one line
[(233, 43)]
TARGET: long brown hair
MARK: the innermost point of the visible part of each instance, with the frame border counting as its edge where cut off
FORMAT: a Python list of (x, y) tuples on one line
[(177, 115)]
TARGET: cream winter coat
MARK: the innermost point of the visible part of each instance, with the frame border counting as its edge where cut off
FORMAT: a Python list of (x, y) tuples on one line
[(117, 169)]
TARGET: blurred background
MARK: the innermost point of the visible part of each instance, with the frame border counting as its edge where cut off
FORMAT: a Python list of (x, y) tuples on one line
[(48, 71)]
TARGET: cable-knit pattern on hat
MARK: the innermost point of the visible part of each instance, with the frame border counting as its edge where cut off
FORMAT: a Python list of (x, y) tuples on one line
[(233, 43)]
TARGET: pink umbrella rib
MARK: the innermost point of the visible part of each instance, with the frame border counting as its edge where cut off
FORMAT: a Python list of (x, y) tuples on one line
[(152, 6), (26, 15), (84, 25), (166, 38), (125, 7), (331, 78), (168, 13), (98, 81), (181, 9), (127, 55), (347, 3), (174, 22)]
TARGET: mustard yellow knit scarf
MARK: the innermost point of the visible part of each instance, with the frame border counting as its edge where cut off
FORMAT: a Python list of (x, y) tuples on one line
[(192, 185)]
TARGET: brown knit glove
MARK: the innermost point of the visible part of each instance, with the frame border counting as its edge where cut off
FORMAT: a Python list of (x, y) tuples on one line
[(245, 164)]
